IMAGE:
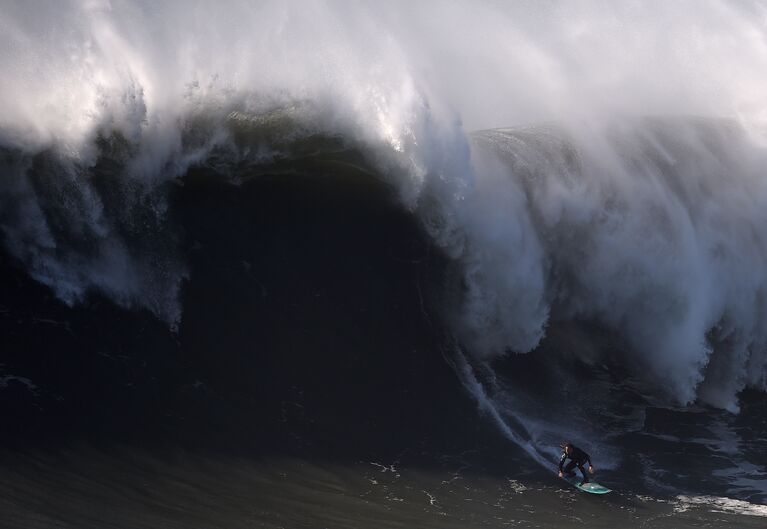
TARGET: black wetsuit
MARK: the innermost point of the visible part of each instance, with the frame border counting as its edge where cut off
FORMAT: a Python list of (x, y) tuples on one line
[(577, 458)]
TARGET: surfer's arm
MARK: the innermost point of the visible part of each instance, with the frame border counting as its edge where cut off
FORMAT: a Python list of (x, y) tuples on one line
[(562, 461), (588, 460)]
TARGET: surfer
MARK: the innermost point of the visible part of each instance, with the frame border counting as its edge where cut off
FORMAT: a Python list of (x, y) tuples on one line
[(577, 458)]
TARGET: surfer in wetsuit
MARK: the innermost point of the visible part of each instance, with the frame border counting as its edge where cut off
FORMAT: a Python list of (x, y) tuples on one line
[(577, 458)]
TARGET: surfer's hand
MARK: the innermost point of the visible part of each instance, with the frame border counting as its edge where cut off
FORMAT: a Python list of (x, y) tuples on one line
[(591, 469), (561, 474)]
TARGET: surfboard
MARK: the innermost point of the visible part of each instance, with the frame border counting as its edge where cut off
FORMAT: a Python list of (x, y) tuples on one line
[(592, 486)]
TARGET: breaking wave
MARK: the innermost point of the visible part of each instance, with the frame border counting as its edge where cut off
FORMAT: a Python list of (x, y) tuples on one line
[(651, 227)]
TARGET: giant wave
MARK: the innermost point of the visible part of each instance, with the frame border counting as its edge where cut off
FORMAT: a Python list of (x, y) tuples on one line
[(650, 227)]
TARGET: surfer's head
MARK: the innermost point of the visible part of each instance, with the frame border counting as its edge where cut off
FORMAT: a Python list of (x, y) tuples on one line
[(567, 446)]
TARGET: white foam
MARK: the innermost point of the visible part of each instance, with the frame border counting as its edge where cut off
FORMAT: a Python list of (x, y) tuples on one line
[(7, 380), (720, 504), (516, 486)]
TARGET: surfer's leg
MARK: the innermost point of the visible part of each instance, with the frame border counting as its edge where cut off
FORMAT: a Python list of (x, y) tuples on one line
[(569, 469)]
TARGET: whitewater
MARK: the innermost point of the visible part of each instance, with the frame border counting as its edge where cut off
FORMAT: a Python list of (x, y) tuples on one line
[(593, 173)]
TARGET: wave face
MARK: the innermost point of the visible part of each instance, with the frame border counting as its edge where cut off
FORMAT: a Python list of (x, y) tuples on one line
[(651, 228)]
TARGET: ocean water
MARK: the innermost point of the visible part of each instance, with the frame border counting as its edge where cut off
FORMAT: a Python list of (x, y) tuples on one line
[(330, 265)]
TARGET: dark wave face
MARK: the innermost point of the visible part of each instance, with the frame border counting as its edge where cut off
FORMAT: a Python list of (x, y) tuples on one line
[(261, 255)]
